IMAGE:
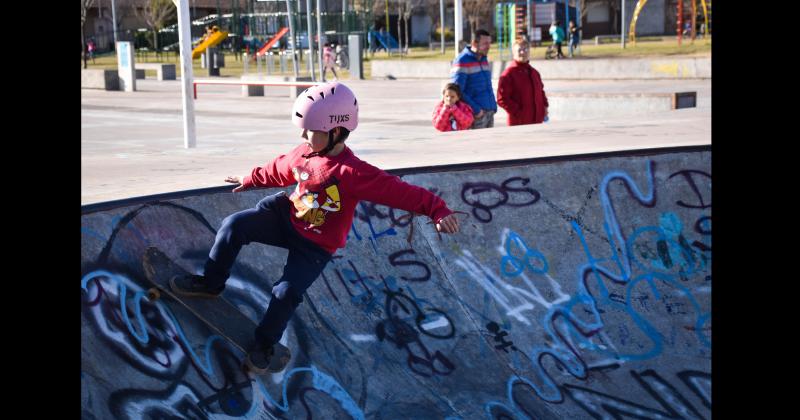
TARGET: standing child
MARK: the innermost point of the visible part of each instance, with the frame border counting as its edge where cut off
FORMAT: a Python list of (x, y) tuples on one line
[(329, 61), (90, 47), (452, 114), (574, 37), (315, 219), (558, 37)]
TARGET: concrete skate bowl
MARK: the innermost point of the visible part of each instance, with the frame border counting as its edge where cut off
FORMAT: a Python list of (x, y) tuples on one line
[(579, 287)]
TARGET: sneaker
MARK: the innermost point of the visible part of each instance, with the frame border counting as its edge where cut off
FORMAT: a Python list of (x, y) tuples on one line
[(193, 285), (258, 359)]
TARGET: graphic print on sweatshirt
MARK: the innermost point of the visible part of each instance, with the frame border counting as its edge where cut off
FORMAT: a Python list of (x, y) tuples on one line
[(313, 200)]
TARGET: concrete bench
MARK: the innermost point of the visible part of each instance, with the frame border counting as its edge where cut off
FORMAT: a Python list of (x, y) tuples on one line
[(253, 85), (611, 38), (99, 79), (296, 84), (163, 71), (600, 38)]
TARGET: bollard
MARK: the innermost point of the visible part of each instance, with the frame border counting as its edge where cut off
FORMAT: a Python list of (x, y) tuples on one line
[(269, 63), (283, 62), (258, 64), (246, 58)]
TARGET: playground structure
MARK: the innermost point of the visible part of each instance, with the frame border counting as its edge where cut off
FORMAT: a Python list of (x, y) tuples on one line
[(382, 39), (511, 21), (255, 27), (263, 50), (640, 6), (210, 41)]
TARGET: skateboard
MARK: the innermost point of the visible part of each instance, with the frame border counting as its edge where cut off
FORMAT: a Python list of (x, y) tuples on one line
[(219, 314)]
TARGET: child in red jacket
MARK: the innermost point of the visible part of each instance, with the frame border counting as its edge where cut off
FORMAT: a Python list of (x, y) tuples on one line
[(452, 113), (315, 219)]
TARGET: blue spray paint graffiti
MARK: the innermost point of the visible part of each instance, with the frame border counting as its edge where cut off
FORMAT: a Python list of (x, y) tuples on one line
[(620, 272)]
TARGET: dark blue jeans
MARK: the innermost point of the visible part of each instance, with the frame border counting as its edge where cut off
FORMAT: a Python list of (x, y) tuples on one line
[(268, 223)]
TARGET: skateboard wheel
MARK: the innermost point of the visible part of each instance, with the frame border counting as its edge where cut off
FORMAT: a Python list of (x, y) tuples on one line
[(153, 294)]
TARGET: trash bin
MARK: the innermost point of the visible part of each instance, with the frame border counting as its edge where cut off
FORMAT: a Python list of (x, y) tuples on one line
[(214, 60)]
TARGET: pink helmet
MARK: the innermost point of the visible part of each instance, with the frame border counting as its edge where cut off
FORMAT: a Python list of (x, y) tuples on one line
[(325, 106)]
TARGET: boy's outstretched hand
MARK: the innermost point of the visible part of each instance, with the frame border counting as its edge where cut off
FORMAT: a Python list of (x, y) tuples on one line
[(448, 224), (235, 180)]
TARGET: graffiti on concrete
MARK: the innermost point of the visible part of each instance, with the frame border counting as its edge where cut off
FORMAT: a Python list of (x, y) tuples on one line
[(549, 302)]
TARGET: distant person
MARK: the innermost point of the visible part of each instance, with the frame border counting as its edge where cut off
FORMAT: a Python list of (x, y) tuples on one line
[(314, 220), (90, 47), (451, 113), (520, 90), (558, 37), (574, 37), (328, 61), (472, 73)]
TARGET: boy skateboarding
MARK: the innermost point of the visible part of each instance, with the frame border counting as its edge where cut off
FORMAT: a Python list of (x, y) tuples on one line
[(312, 222)]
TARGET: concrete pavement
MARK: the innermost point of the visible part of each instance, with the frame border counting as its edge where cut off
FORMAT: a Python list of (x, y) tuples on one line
[(132, 143)]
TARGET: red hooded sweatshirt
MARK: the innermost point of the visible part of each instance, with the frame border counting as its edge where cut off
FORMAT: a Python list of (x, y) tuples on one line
[(329, 188), (520, 92), (460, 114)]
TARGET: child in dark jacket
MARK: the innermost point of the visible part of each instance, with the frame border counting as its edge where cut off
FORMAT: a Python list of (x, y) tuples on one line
[(452, 114), (312, 222)]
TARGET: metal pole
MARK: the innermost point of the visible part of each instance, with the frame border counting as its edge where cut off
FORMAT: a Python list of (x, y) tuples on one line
[(457, 25), (680, 21), (566, 20), (622, 25), (386, 2), (310, 43), (319, 34), (291, 33), (185, 42), (114, 21), (441, 23), (344, 16), (579, 24), (529, 12)]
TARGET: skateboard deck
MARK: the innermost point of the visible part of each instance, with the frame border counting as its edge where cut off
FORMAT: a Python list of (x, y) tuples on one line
[(219, 314)]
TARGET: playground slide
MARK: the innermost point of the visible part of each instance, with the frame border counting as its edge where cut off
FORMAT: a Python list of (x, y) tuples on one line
[(209, 42), (386, 40), (271, 42)]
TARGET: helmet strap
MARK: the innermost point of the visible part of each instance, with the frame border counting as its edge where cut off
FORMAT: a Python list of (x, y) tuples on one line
[(331, 144)]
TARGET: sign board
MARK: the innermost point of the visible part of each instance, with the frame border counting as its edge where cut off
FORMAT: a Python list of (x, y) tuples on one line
[(537, 34), (126, 67)]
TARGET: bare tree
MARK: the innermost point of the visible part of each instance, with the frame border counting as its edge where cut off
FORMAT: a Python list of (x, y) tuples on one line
[(402, 6), (432, 9), (85, 6), (122, 9), (406, 16), (476, 11), (156, 13)]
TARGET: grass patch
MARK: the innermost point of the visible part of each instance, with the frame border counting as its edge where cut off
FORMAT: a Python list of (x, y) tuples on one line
[(234, 66), (644, 47)]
